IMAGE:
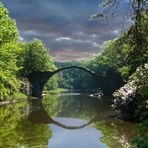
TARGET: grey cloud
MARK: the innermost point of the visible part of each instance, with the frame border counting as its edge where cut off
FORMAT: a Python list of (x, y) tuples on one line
[(51, 21), (74, 44)]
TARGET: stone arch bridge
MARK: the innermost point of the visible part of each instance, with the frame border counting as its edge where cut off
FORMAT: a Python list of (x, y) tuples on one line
[(39, 79)]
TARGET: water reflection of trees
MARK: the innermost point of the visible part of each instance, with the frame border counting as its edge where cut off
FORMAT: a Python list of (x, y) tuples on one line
[(29, 126), (9, 117), (17, 131), (79, 106), (23, 126), (38, 115), (116, 133), (33, 134)]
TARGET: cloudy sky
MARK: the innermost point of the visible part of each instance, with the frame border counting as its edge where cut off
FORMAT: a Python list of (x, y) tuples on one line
[(65, 25)]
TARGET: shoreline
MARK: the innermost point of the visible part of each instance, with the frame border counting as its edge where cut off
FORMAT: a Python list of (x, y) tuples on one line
[(3, 103)]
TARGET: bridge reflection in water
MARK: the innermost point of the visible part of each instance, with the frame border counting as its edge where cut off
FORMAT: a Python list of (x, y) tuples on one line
[(38, 115), (64, 121), (71, 122)]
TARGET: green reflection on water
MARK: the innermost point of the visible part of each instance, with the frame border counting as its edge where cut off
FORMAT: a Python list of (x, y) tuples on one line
[(17, 131), (116, 133), (27, 124)]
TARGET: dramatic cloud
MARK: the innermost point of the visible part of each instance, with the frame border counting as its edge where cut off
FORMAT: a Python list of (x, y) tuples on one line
[(65, 26)]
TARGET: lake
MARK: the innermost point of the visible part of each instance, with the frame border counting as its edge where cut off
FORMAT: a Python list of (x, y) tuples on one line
[(67, 120)]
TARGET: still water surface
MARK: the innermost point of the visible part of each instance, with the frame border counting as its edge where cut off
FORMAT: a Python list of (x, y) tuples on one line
[(69, 120)]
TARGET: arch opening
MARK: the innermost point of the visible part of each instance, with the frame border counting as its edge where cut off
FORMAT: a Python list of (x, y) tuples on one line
[(69, 78), (39, 79)]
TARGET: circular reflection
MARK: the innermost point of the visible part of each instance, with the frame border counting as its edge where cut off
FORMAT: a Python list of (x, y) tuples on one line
[(38, 115)]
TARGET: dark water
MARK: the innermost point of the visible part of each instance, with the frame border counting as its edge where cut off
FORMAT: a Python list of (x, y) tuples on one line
[(69, 120)]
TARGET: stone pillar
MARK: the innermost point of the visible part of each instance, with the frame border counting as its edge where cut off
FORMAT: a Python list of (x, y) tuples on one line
[(38, 80)]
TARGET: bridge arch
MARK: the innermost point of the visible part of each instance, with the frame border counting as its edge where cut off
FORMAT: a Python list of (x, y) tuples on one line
[(39, 79), (75, 67)]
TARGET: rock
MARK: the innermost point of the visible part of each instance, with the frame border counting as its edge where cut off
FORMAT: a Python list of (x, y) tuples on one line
[(128, 97)]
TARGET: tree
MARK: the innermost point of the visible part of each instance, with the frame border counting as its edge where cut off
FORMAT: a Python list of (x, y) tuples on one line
[(52, 84), (137, 34), (36, 58), (8, 29), (18, 59), (9, 84)]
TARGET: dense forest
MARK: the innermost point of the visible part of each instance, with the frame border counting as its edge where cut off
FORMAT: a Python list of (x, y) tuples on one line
[(122, 64)]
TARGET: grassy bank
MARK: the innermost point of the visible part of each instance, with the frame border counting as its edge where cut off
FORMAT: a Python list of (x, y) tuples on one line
[(17, 97), (56, 91)]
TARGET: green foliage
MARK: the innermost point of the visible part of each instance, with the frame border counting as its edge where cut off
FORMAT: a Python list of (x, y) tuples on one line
[(20, 95), (9, 83), (17, 131), (115, 134), (36, 58), (138, 36), (124, 72), (8, 29), (54, 91), (141, 112), (52, 84), (141, 141)]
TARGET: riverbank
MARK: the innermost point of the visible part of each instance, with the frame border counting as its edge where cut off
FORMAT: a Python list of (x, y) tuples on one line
[(21, 97), (17, 98), (53, 92)]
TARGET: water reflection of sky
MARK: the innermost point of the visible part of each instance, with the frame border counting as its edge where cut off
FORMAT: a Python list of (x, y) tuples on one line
[(87, 137)]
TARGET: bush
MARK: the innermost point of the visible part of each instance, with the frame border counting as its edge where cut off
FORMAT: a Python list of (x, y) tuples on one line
[(141, 141)]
